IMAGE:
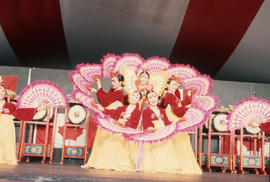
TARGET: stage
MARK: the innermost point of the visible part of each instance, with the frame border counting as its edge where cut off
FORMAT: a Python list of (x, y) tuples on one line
[(46, 172)]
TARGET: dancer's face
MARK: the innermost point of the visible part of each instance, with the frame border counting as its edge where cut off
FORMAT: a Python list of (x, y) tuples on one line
[(152, 98), (115, 83), (134, 98), (2, 92), (144, 78), (172, 86)]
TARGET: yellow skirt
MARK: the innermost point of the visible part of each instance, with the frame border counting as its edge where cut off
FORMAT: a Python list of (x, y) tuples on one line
[(186, 155), (7, 140), (112, 152), (160, 158)]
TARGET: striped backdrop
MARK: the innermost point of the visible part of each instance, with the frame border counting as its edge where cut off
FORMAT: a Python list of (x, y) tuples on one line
[(228, 39)]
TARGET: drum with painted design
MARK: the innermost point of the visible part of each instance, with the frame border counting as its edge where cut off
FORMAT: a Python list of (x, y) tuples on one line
[(76, 114), (220, 122)]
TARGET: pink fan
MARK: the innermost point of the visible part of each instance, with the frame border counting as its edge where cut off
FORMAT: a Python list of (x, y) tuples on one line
[(89, 70), (162, 134), (203, 84), (155, 64), (249, 111), (108, 124), (86, 100), (108, 63), (205, 102), (128, 59), (182, 71), (42, 92), (80, 82), (195, 118)]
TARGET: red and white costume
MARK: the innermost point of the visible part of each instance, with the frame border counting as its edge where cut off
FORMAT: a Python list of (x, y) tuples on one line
[(118, 113), (177, 101), (105, 99), (149, 116)]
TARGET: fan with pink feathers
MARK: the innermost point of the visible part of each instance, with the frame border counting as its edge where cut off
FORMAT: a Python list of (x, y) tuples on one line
[(130, 65), (250, 111), (45, 92)]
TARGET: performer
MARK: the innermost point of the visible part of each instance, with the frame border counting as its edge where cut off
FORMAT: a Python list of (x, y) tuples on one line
[(114, 152), (115, 93), (109, 100), (142, 83), (7, 130), (178, 103), (161, 156), (127, 115)]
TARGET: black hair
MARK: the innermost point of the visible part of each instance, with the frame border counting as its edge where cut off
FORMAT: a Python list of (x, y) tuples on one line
[(145, 73), (168, 82), (120, 78)]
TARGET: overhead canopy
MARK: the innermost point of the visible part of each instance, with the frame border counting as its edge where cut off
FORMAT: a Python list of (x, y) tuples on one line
[(227, 39)]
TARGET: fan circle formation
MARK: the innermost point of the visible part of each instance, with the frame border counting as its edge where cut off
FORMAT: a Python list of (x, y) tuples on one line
[(160, 69)]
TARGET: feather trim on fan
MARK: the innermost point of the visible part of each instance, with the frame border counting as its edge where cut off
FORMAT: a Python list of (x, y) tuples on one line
[(108, 124), (182, 71), (79, 82), (129, 74), (195, 118), (247, 111), (128, 59), (88, 71), (159, 81), (162, 134), (206, 102), (41, 91), (108, 64), (202, 83), (85, 100), (154, 64)]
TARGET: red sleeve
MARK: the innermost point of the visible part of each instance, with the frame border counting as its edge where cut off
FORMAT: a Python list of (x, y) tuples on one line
[(178, 111), (186, 98), (164, 117), (162, 103), (25, 114), (177, 93), (134, 119), (115, 113), (147, 121), (105, 99), (11, 108), (265, 127)]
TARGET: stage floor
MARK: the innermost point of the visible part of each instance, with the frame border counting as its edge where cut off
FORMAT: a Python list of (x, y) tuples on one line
[(46, 172)]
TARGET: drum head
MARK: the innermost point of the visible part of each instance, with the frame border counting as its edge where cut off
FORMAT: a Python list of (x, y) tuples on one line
[(76, 114), (220, 122), (40, 115)]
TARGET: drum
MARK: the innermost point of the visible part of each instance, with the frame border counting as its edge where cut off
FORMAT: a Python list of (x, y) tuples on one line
[(206, 124), (76, 114), (253, 129), (220, 122), (40, 115)]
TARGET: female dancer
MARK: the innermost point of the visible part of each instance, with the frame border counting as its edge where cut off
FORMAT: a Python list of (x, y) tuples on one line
[(7, 130), (178, 108), (161, 156), (173, 97), (114, 153)]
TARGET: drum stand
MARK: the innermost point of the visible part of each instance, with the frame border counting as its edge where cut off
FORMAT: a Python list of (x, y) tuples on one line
[(212, 159), (251, 161), (75, 152), (31, 149)]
